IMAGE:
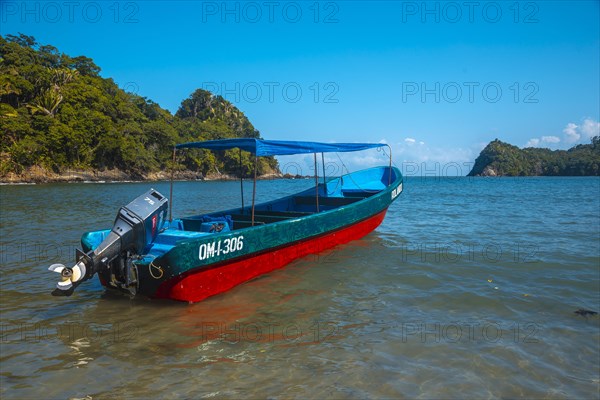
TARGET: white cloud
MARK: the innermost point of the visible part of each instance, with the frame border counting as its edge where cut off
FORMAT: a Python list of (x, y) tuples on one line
[(590, 128), (581, 133), (571, 133), (550, 139), (428, 160), (335, 165), (417, 158), (414, 157)]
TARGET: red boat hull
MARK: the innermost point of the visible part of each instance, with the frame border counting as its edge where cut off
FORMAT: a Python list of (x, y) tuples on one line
[(197, 285)]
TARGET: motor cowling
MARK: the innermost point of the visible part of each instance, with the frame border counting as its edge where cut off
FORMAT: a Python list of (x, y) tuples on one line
[(135, 228)]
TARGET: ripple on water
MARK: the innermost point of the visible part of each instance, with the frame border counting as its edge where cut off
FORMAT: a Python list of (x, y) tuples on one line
[(467, 289)]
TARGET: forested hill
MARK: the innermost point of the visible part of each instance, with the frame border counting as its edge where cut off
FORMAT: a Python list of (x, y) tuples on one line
[(58, 114), (502, 159)]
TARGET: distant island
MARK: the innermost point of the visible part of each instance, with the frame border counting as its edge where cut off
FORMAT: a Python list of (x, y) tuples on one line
[(503, 159), (61, 121)]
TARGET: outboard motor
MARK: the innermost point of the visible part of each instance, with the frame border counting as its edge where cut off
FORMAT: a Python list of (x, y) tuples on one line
[(135, 228)]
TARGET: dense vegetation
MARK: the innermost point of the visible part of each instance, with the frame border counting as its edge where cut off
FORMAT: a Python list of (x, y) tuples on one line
[(58, 113), (499, 158)]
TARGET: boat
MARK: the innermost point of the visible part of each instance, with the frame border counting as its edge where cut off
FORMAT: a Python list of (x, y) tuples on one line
[(150, 253)]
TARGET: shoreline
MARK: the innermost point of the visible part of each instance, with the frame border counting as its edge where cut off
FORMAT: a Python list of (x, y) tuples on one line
[(37, 175)]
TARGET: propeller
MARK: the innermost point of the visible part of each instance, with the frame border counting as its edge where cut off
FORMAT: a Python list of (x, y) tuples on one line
[(69, 278)]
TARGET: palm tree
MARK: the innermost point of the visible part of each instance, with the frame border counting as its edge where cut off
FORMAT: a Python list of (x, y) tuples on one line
[(50, 98), (47, 102)]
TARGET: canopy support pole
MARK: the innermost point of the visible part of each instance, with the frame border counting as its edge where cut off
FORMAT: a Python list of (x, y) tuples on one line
[(324, 183), (316, 182), (254, 187), (242, 181), (171, 188), (390, 170)]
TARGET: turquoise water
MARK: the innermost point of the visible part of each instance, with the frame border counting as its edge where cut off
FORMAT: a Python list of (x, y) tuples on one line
[(467, 290)]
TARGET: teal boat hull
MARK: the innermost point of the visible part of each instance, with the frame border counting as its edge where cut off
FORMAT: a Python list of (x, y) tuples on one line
[(201, 256)]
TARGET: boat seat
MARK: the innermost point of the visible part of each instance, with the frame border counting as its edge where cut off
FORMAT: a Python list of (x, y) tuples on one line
[(175, 224), (359, 193), (204, 223), (245, 224), (366, 189)]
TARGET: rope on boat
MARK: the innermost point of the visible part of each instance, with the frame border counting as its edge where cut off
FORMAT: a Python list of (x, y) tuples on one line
[(350, 175), (382, 149), (150, 266)]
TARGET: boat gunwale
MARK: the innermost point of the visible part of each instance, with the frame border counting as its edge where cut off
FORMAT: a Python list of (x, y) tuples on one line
[(197, 241), (388, 189), (314, 215), (249, 256)]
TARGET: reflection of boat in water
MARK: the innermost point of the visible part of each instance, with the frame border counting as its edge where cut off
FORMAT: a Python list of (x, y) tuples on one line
[(195, 257)]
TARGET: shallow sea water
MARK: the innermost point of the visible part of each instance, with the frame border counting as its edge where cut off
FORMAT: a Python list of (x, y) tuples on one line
[(467, 290)]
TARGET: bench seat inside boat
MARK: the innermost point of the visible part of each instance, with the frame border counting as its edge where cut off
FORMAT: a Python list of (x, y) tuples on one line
[(206, 224), (261, 217), (351, 189)]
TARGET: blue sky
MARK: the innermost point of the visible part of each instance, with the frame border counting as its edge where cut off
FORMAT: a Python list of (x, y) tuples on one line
[(435, 80)]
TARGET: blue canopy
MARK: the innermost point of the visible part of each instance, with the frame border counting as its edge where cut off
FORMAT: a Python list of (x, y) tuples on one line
[(262, 147)]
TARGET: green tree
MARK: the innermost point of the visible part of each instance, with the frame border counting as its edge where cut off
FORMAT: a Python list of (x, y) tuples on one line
[(57, 112), (505, 159)]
